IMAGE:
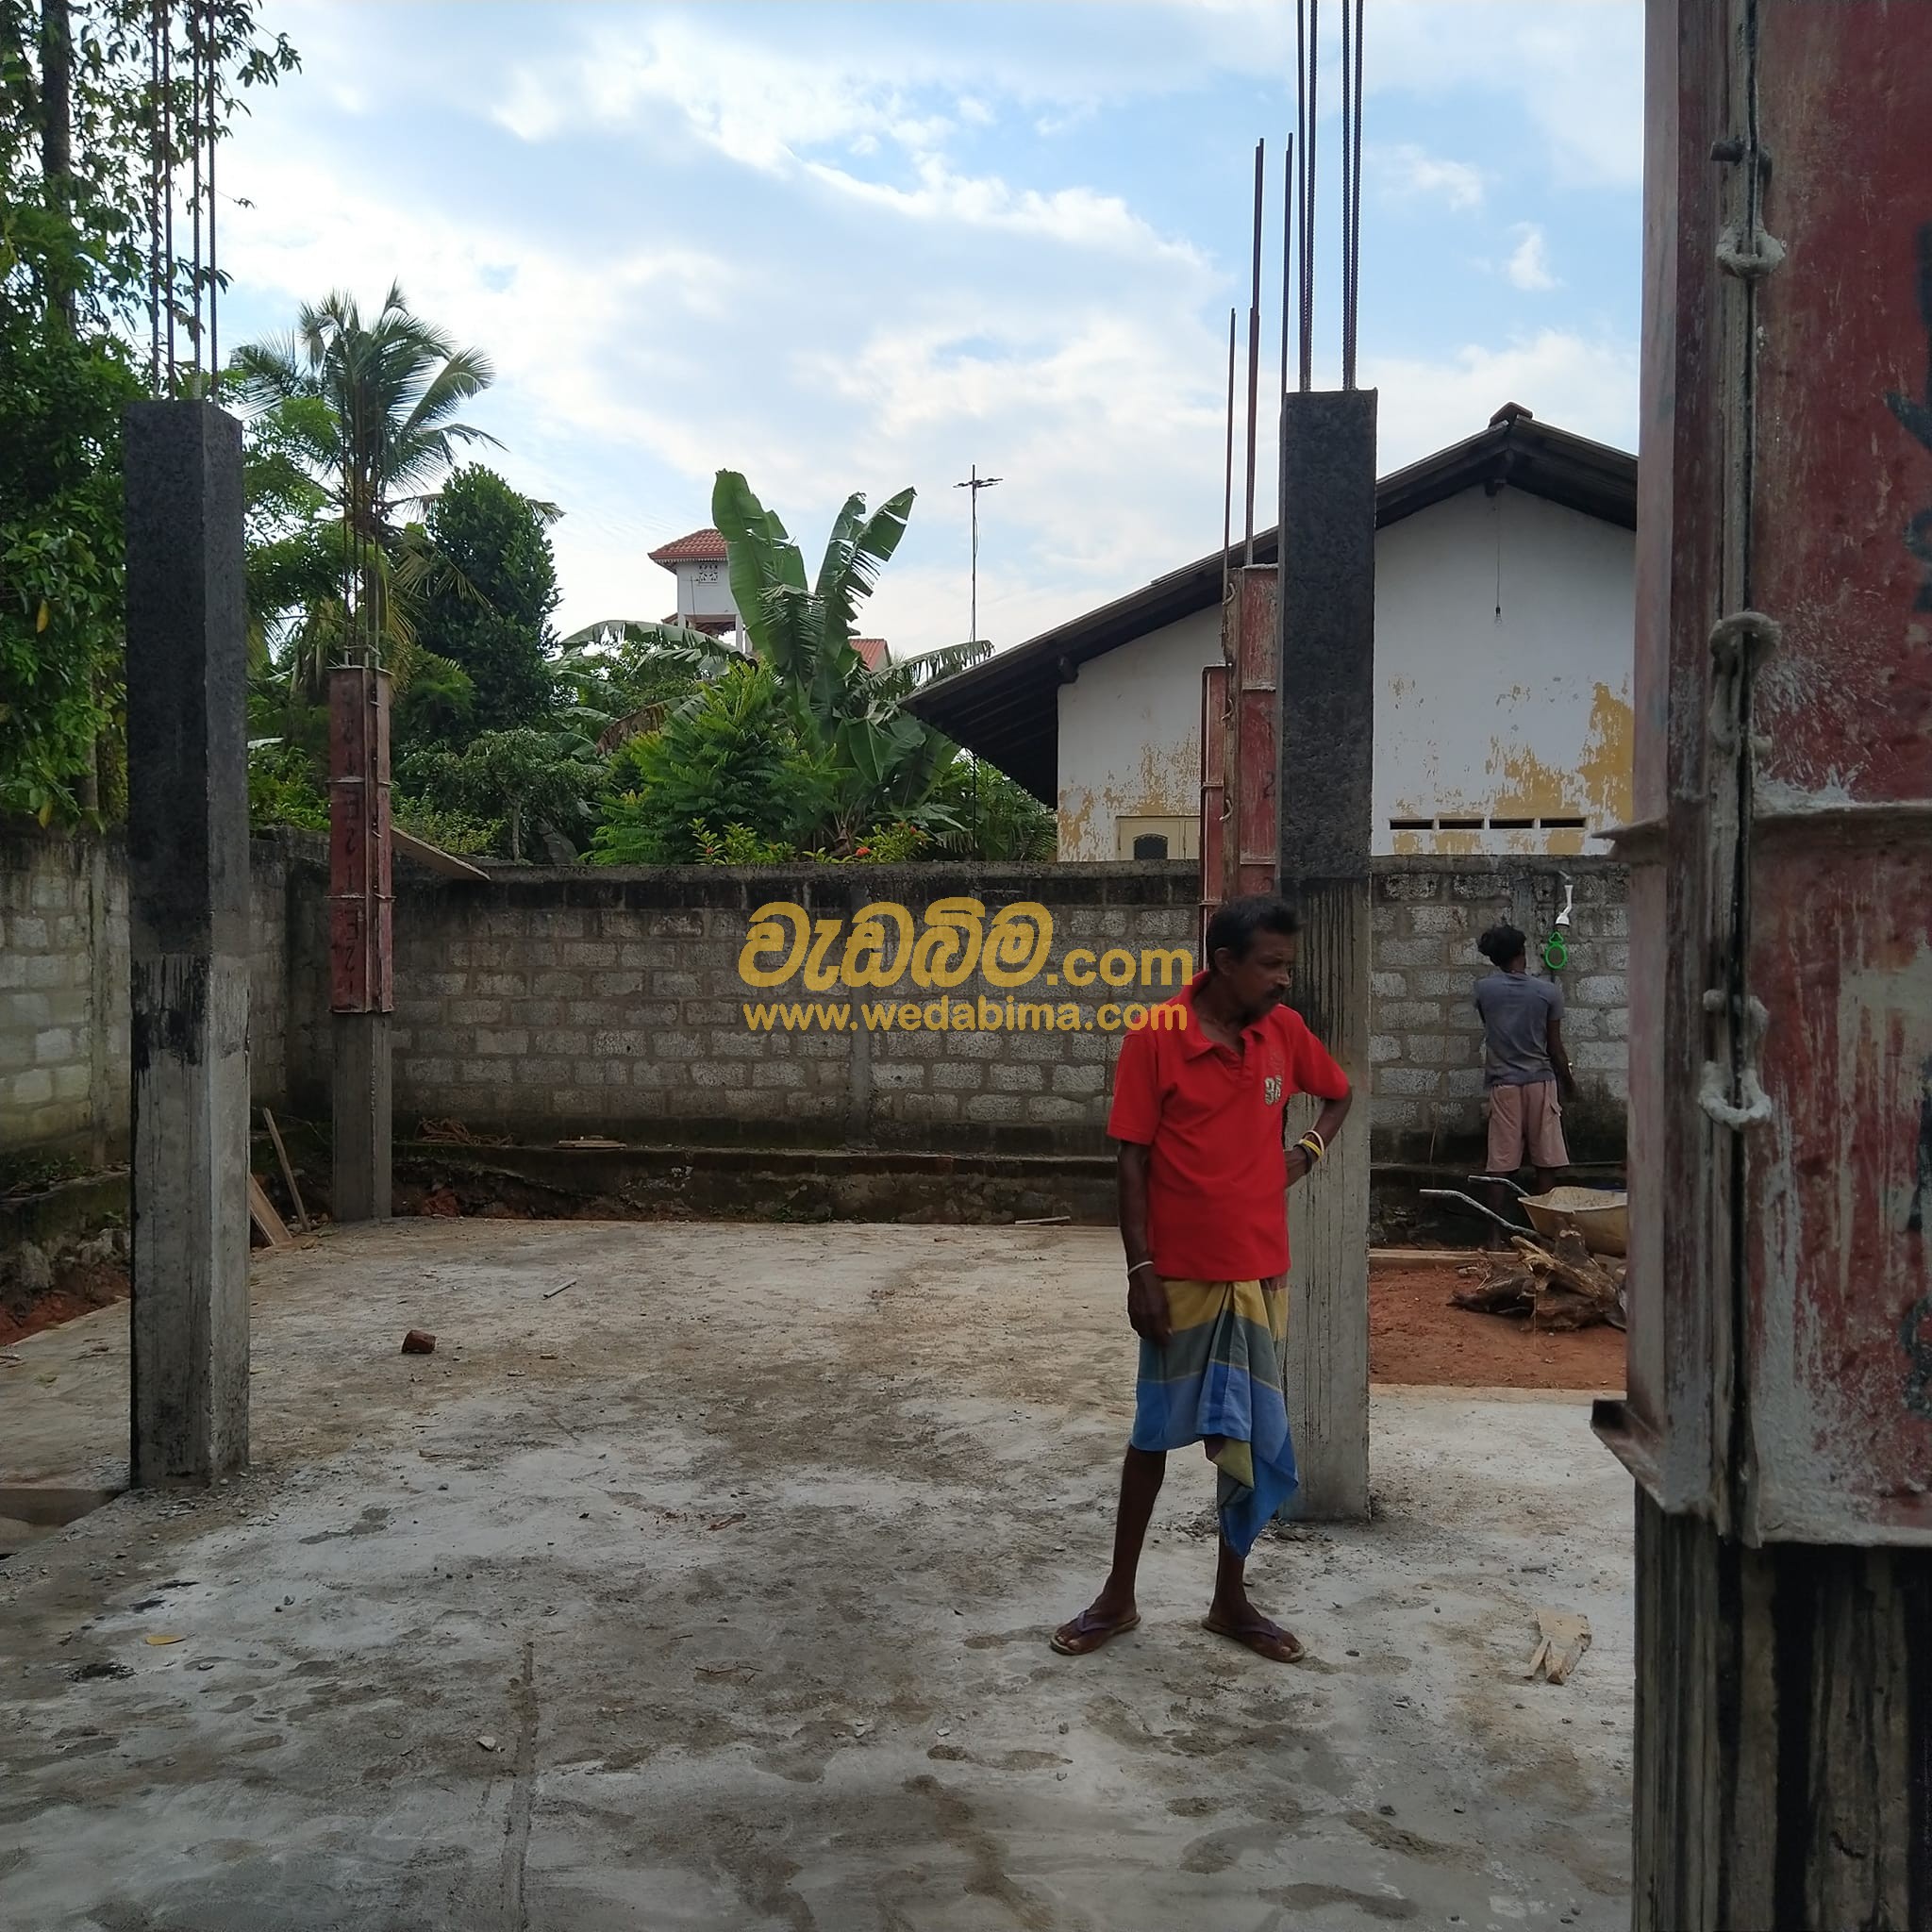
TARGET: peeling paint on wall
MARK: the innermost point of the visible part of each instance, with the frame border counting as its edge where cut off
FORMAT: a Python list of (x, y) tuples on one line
[(1523, 715), (1165, 784)]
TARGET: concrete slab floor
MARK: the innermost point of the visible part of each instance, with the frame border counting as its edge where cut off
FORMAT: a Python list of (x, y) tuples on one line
[(713, 1593)]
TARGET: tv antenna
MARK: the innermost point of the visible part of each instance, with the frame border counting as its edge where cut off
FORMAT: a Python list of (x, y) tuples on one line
[(975, 483)]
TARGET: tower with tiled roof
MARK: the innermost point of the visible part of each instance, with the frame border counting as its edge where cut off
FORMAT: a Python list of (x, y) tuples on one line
[(698, 561)]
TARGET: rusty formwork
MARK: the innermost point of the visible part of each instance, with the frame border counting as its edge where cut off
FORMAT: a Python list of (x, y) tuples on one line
[(361, 943), (1781, 1104), (1780, 1419)]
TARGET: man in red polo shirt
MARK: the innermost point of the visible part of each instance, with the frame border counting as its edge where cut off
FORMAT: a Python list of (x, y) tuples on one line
[(1197, 1111)]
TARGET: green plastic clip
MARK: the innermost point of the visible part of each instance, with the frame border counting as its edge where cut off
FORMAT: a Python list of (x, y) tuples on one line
[(1556, 954)]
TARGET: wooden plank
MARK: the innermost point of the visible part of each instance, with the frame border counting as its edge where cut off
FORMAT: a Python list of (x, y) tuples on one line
[(261, 1210), (434, 857), (275, 1133)]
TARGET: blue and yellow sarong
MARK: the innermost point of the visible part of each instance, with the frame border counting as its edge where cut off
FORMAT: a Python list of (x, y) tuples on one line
[(1220, 1374)]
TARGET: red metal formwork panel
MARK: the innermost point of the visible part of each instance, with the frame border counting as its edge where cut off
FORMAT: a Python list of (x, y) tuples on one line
[(1214, 751), (1838, 1176), (360, 925), (1781, 995), (1258, 851)]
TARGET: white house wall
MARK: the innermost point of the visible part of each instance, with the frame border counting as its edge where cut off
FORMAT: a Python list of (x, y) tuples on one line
[(1504, 637), (1130, 735), (1525, 715)]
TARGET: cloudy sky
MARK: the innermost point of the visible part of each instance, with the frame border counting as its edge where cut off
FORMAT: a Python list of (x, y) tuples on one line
[(848, 247)]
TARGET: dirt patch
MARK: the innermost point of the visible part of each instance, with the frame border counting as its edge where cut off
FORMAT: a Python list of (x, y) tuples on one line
[(1416, 1337), (79, 1291)]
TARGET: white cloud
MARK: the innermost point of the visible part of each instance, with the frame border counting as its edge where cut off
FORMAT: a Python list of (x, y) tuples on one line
[(1581, 383), (819, 278), (1529, 266), (1075, 217), (1575, 70), (1410, 172)]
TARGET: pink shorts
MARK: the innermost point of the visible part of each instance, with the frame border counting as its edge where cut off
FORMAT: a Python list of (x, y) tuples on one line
[(1526, 1128)]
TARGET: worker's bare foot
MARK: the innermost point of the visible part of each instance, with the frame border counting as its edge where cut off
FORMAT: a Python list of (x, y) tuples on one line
[(1099, 1623), (1244, 1625)]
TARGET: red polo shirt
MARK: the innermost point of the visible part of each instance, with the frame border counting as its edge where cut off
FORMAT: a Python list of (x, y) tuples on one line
[(1217, 1175)]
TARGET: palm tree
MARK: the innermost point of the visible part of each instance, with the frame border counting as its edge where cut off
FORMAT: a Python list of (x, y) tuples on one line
[(371, 409)]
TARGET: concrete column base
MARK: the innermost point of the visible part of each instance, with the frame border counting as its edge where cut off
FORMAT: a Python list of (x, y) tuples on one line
[(362, 1123), (189, 1369)]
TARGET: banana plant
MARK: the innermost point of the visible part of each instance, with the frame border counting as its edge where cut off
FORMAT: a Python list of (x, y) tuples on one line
[(886, 758)]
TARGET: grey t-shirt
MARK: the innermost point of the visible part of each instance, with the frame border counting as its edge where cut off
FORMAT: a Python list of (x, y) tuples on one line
[(1516, 1012)]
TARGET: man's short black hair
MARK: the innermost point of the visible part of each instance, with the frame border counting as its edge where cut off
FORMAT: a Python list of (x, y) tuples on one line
[(1502, 945), (1236, 922)]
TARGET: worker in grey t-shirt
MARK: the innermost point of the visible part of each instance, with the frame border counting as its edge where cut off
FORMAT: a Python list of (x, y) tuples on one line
[(1525, 1071)]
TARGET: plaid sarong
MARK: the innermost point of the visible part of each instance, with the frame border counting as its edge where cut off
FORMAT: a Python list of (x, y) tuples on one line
[(1220, 1375)]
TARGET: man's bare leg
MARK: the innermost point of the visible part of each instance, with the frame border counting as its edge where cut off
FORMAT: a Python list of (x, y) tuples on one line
[(1232, 1615), (1113, 1610)]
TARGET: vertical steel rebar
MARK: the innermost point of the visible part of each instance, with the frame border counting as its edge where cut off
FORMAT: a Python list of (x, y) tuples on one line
[(214, 285), (154, 199), (1287, 258), (1354, 237), (165, 16), (195, 126), (1254, 349), (1347, 187), (1227, 469)]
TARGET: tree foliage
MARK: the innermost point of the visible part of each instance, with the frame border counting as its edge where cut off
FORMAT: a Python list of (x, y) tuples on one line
[(366, 413), (77, 108), (488, 610), (729, 755), (813, 750), (531, 781)]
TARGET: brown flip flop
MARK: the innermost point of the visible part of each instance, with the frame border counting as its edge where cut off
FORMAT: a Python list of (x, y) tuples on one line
[(1266, 1639), (1081, 1638)]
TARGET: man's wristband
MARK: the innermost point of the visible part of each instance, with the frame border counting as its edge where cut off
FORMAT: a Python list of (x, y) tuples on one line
[(1312, 1144), (1136, 1266)]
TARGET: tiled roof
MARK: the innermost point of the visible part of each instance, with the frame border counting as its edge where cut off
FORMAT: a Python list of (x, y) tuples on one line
[(701, 547), (876, 651)]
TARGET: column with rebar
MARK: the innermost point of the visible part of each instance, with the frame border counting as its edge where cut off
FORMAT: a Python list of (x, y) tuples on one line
[(1326, 657), (187, 843)]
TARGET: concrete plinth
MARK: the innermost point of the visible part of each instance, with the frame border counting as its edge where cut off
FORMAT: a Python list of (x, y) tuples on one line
[(1328, 669), (363, 1116), (188, 874)]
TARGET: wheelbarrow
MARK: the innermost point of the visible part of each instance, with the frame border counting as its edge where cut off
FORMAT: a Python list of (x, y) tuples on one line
[(1599, 1215)]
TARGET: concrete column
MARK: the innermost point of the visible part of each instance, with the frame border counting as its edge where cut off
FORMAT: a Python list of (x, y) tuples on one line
[(1327, 660), (361, 948), (362, 1112), (187, 871)]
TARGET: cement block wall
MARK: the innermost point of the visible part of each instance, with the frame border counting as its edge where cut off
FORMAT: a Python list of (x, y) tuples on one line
[(558, 1003), (553, 1002), (64, 916), (1426, 1048), (65, 1080)]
